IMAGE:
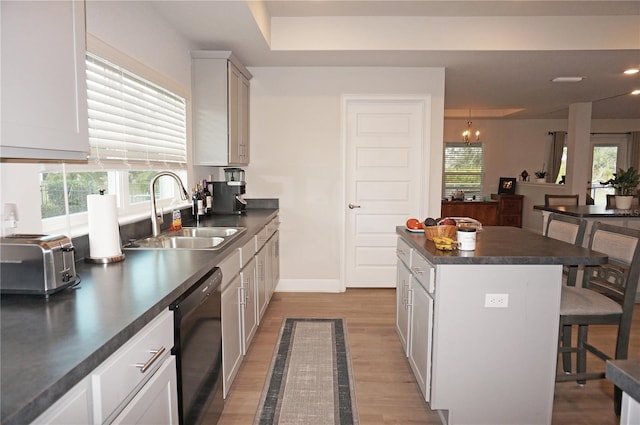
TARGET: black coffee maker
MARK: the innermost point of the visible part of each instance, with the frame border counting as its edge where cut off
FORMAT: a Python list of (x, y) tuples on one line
[(228, 195)]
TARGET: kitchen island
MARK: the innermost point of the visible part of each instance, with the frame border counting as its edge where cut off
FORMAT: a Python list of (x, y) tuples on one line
[(49, 345), (480, 327)]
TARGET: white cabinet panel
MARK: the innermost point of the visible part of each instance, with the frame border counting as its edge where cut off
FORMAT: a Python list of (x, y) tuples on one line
[(121, 374), (74, 408), (403, 307), (249, 305), (232, 340), (262, 281), (157, 402), (421, 337), (247, 251), (274, 255), (424, 271), (44, 94)]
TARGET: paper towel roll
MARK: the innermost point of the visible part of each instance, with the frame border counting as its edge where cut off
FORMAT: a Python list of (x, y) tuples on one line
[(104, 233)]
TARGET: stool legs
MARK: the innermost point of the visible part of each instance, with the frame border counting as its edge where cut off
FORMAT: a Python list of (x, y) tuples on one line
[(581, 360)]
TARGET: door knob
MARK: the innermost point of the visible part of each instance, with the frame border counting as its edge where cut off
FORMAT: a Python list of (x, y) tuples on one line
[(352, 206)]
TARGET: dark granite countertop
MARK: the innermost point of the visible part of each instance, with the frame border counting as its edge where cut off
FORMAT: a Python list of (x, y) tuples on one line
[(625, 374), (584, 211), (505, 245), (49, 345)]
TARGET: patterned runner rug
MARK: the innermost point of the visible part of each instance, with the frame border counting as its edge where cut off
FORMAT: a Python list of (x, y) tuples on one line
[(310, 380)]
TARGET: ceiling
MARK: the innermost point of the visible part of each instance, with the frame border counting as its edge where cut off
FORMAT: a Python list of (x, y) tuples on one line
[(499, 56)]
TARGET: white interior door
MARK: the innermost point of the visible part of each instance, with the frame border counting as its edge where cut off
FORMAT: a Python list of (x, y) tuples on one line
[(384, 163)]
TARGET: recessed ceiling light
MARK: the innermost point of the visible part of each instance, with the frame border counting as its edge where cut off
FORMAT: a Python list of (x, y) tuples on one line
[(567, 79), (632, 71), (635, 92)]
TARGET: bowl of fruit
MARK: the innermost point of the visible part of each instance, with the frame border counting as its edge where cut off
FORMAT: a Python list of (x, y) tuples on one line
[(440, 227)]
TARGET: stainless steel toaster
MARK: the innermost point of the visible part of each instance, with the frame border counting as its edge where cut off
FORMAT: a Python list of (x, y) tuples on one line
[(36, 264)]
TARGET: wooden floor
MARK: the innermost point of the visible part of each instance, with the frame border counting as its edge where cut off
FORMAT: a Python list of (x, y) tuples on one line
[(385, 387)]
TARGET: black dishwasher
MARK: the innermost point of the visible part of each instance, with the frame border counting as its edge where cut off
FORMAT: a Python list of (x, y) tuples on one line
[(198, 351)]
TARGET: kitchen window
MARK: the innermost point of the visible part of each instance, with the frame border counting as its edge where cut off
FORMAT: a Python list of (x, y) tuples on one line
[(463, 169), (136, 128)]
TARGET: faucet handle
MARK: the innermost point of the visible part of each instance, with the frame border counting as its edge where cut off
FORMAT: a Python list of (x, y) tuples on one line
[(160, 216)]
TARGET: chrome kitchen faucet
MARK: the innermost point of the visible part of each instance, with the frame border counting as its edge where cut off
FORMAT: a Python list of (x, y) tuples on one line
[(157, 220)]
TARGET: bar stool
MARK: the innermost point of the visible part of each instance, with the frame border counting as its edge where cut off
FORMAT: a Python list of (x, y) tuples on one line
[(606, 297)]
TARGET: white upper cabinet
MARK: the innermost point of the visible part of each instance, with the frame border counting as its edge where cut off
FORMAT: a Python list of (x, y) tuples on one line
[(220, 94), (43, 92)]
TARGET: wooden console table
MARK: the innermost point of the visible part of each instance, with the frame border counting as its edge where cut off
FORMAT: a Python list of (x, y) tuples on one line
[(501, 210), (485, 212)]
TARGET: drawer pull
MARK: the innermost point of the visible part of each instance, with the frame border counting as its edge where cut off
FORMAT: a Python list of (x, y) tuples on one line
[(156, 354)]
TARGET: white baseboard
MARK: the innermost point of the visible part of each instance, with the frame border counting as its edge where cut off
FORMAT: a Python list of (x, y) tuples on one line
[(309, 285)]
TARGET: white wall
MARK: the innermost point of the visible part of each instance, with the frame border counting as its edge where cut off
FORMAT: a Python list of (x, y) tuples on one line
[(296, 154)]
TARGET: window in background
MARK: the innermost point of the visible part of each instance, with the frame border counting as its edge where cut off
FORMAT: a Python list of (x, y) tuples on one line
[(136, 128), (604, 164), (463, 169), (608, 153), (563, 167)]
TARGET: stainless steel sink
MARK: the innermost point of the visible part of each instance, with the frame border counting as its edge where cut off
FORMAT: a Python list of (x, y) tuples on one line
[(209, 232), (189, 238)]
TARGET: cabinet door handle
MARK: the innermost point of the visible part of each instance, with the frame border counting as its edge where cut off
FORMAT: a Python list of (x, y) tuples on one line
[(156, 355), (241, 295), (247, 290), (352, 206)]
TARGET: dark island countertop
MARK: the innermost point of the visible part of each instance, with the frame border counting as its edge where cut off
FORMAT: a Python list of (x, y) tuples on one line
[(505, 245), (49, 345), (625, 374), (585, 211)]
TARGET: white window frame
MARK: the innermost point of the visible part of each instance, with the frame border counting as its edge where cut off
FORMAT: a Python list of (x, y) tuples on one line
[(444, 171)]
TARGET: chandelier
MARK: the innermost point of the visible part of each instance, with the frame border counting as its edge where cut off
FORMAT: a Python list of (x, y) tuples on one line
[(466, 135)]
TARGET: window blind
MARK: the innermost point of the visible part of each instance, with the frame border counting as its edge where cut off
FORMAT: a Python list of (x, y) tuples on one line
[(463, 168), (131, 119)]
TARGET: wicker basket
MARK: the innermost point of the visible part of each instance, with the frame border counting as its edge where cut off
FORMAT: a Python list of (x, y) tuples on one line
[(443, 231)]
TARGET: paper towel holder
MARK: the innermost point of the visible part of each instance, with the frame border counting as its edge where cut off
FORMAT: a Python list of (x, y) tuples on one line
[(105, 260)]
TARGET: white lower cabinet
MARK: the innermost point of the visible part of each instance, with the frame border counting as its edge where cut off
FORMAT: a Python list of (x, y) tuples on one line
[(119, 377), (248, 304), (248, 276), (74, 408), (136, 385), (263, 283), (273, 262), (231, 319), (403, 307), (414, 312), (421, 325), (156, 402)]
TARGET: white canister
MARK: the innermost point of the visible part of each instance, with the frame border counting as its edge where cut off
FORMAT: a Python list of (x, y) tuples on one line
[(466, 238)]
